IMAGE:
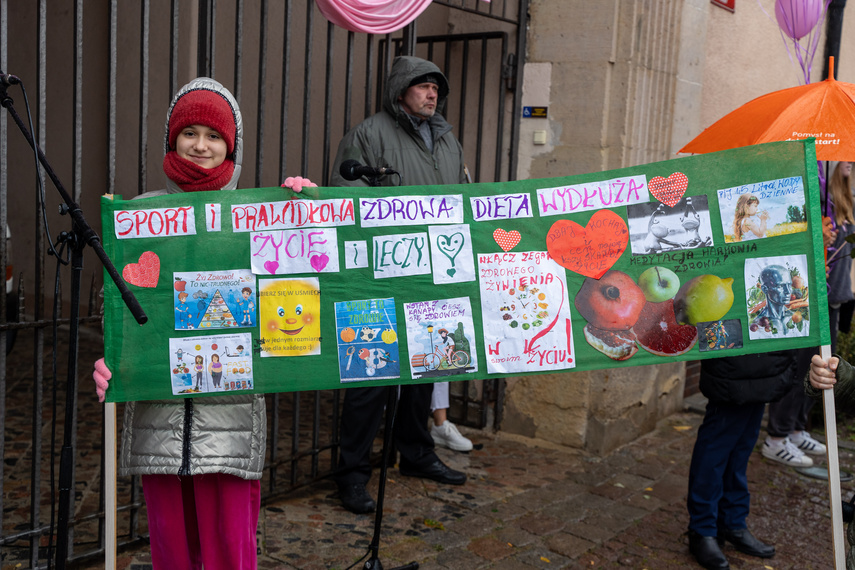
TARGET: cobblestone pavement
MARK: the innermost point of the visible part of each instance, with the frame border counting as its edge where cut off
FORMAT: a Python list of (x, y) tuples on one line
[(529, 505)]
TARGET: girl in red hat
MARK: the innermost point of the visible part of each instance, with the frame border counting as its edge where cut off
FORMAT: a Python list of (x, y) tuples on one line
[(200, 459)]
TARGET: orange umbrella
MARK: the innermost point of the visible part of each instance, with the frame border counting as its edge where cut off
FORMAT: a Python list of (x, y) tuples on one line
[(824, 110)]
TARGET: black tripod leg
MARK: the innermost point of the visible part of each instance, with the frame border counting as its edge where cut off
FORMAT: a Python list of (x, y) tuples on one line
[(374, 563)]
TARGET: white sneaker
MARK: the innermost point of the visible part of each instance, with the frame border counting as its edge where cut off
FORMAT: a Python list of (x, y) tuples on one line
[(785, 452), (448, 436), (807, 444)]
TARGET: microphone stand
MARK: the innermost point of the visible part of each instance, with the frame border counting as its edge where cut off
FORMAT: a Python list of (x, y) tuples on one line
[(373, 562), (81, 235)]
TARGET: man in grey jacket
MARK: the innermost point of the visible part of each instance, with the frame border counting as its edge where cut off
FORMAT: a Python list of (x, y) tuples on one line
[(411, 137)]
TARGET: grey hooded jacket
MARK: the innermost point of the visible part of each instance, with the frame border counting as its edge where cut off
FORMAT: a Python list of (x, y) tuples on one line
[(192, 436), (389, 138)]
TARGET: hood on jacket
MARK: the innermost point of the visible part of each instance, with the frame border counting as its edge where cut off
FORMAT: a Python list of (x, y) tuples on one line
[(217, 87), (404, 69)]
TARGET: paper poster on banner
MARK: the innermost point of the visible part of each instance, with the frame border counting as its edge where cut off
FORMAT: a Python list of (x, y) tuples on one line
[(367, 337), (764, 209), (399, 255), (526, 313), (585, 196), (157, 222), (777, 297), (501, 207), (292, 214), (451, 254), (214, 299), (205, 364), (441, 338), (410, 210), (720, 335), (355, 254), (289, 316), (213, 219), (294, 251), (656, 228)]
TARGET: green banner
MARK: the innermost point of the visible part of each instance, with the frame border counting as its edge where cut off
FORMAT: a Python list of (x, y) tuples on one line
[(262, 290)]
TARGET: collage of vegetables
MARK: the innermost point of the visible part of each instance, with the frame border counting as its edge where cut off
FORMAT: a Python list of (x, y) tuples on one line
[(256, 290)]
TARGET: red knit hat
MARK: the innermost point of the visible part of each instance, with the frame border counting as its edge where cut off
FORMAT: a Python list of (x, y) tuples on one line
[(203, 107)]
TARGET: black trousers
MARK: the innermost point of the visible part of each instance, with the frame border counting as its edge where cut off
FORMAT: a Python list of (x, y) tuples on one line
[(790, 413), (361, 417)]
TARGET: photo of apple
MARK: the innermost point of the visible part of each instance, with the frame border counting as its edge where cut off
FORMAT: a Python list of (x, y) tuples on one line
[(659, 284)]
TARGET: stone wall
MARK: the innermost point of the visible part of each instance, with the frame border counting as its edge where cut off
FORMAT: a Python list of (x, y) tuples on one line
[(630, 82)]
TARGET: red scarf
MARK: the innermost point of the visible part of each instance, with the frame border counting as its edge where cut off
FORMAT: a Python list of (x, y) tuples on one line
[(191, 177)]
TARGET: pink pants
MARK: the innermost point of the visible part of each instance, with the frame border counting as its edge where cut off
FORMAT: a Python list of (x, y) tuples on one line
[(207, 520)]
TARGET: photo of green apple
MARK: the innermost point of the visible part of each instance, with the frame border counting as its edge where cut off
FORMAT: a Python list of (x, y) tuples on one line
[(659, 284)]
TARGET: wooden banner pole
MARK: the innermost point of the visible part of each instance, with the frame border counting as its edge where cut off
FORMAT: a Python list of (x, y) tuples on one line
[(833, 471)]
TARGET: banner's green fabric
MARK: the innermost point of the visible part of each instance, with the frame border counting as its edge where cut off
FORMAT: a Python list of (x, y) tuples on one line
[(142, 358)]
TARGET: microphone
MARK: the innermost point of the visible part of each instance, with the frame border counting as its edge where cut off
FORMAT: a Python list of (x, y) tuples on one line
[(8, 79), (352, 170)]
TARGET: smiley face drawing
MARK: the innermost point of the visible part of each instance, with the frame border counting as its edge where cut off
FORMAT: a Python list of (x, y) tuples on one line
[(290, 317)]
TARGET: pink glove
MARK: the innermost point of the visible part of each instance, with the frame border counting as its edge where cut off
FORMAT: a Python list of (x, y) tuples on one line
[(297, 183), (102, 376)]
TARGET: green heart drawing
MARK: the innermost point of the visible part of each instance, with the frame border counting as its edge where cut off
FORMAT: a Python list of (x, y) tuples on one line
[(451, 245)]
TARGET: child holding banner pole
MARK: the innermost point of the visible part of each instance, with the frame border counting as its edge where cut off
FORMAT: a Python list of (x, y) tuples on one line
[(202, 482)]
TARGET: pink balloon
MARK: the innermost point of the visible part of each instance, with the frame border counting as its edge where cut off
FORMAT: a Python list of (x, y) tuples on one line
[(798, 17)]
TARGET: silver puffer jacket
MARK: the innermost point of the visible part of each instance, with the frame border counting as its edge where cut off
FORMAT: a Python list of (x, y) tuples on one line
[(216, 434)]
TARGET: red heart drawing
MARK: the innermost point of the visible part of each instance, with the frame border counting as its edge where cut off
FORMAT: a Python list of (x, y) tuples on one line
[(506, 240), (669, 190), (145, 273), (592, 250)]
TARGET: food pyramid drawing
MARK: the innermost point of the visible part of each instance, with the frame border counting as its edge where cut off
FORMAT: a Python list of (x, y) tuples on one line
[(217, 315)]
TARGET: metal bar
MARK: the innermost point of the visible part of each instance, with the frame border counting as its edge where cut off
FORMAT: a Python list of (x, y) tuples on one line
[(461, 131), (336, 433), (500, 112), (4, 209), (238, 83), (369, 70), (144, 88), (173, 47), (328, 81), (286, 58), (295, 438), (482, 86), (203, 42), (316, 433), (212, 41), (262, 81), (502, 18), (111, 99), (77, 104), (348, 89), (307, 92), (516, 111), (39, 300)]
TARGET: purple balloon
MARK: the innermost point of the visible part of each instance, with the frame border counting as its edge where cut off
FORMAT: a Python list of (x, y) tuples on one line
[(797, 18)]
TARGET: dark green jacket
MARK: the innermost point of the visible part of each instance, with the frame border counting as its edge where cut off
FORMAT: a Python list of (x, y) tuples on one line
[(844, 390), (389, 139)]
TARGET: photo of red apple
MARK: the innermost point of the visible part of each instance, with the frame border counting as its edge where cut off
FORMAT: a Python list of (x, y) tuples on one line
[(180, 284)]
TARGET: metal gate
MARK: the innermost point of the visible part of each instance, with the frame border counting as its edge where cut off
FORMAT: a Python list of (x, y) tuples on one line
[(98, 105)]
